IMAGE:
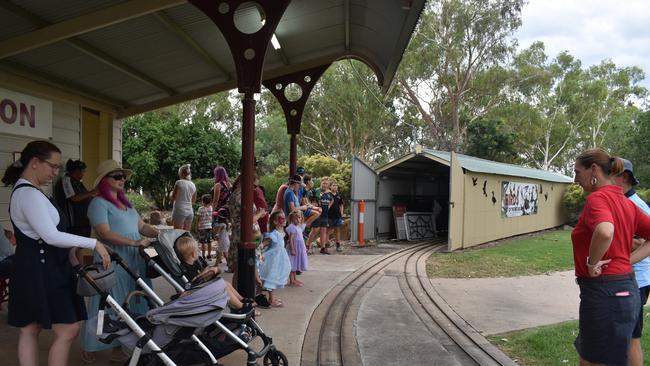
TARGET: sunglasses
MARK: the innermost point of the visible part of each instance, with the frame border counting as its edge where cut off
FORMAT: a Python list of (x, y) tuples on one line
[(118, 176)]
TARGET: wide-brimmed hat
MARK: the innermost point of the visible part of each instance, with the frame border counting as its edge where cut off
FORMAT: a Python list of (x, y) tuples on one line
[(108, 166)]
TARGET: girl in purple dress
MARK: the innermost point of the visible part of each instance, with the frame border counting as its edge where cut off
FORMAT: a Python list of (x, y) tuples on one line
[(296, 246)]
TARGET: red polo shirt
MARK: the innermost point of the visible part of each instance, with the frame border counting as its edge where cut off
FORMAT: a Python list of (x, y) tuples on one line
[(608, 204)]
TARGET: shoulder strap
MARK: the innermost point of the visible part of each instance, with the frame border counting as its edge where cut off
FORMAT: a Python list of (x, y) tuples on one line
[(21, 185)]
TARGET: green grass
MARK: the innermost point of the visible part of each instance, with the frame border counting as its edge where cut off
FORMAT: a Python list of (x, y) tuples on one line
[(549, 345), (537, 254)]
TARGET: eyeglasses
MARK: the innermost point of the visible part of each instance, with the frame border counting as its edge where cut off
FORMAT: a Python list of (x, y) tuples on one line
[(52, 165), (118, 176)]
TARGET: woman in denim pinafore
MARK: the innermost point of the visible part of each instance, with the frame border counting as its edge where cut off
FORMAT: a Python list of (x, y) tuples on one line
[(42, 284)]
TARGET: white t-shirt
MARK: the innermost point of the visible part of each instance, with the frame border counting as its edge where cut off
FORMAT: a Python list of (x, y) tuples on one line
[(183, 199), (35, 216)]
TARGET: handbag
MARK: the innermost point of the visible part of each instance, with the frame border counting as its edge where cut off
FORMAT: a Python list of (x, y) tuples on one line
[(105, 279)]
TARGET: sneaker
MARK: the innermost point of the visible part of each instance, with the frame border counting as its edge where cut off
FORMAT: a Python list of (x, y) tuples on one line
[(324, 251), (338, 247), (245, 309), (298, 272)]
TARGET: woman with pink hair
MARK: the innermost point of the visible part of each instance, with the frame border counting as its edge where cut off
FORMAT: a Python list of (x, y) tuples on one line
[(222, 188), (118, 224)]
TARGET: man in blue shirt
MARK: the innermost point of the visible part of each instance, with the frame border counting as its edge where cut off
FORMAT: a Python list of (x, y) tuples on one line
[(627, 180)]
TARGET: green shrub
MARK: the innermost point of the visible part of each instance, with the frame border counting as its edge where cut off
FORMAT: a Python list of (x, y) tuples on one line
[(574, 201), (271, 183), (141, 203), (203, 186)]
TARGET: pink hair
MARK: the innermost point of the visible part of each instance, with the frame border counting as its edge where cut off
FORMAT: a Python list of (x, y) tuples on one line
[(105, 192)]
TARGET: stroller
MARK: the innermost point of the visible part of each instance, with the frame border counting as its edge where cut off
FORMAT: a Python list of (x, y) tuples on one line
[(232, 331), (166, 334)]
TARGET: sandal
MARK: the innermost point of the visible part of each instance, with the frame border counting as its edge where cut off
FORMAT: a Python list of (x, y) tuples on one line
[(262, 301), (119, 357), (88, 357)]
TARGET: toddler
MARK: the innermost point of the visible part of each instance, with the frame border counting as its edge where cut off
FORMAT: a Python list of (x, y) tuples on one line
[(205, 225), (188, 253), (275, 267), (296, 246)]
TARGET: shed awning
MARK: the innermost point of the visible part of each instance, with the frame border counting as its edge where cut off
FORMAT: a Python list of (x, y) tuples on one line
[(479, 165), (141, 55)]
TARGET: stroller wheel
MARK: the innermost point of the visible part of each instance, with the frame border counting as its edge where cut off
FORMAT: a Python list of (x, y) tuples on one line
[(275, 358)]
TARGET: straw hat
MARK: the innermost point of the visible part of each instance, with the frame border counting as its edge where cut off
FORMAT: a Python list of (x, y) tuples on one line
[(108, 166)]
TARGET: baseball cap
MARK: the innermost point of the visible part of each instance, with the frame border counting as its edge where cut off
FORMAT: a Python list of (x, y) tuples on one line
[(627, 166), (300, 170)]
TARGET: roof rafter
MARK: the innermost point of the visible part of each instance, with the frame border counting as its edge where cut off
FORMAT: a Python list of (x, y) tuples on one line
[(89, 49), (61, 84), (82, 24), (347, 24)]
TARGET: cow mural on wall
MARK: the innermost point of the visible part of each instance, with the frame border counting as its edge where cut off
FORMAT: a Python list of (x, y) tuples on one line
[(518, 199)]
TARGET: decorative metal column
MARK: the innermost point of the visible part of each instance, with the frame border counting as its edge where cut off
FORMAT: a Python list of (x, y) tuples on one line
[(248, 42), (292, 92)]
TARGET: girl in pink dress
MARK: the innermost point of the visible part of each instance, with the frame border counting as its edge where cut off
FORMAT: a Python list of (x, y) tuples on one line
[(296, 246)]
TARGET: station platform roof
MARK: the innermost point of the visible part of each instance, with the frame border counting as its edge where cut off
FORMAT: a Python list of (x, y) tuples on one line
[(141, 55)]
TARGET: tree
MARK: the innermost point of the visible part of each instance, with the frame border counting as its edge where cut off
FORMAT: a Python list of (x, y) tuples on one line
[(450, 71), (628, 138), (489, 139), (156, 144), (546, 108), (271, 141), (346, 115), (609, 90)]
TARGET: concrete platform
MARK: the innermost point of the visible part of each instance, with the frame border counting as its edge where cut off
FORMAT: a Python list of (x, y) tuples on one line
[(387, 329)]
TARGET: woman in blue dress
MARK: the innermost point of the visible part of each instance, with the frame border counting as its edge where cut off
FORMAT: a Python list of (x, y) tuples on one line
[(118, 224), (275, 266)]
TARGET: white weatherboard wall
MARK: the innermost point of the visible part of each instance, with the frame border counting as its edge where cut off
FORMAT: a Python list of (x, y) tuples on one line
[(65, 134)]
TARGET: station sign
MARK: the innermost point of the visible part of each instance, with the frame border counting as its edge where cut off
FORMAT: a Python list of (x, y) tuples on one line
[(25, 115)]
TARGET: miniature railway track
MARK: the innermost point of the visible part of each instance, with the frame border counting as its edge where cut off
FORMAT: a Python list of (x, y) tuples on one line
[(330, 337)]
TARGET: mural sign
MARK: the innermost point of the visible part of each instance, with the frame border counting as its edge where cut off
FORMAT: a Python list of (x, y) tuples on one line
[(518, 199)]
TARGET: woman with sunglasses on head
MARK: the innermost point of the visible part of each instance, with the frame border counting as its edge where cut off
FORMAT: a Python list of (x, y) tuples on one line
[(602, 242), (117, 223), (42, 284)]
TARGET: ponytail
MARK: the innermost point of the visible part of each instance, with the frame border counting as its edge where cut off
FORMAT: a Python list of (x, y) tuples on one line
[(36, 149), (616, 166)]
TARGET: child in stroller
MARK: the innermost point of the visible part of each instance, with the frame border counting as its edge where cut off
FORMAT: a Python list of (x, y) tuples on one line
[(187, 250), (234, 331)]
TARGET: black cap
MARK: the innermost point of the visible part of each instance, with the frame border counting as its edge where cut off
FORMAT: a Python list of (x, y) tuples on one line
[(300, 170), (627, 165)]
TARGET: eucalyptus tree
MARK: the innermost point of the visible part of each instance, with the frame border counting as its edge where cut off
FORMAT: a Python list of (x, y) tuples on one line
[(451, 71)]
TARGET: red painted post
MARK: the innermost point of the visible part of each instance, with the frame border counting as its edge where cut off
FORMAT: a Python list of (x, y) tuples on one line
[(293, 154), (362, 210), (246, 252)]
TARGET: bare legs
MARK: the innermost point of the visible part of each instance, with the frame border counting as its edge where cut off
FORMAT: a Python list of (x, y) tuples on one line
[(64, 335), (28, 345), (635, 355)]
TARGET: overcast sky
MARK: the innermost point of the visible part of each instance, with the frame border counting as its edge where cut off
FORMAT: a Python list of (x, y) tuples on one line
[(591, 30)]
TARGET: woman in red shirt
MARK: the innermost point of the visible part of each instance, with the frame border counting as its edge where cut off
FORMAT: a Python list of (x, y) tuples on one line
[(602, 242)]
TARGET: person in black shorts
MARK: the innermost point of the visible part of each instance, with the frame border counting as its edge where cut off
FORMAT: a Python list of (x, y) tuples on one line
[(323, 221), (335, 215)]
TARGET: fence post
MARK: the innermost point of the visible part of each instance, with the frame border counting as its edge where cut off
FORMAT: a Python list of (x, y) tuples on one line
[(362, 210)]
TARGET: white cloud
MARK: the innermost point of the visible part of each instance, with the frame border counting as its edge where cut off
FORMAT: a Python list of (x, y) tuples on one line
[(591, 30)]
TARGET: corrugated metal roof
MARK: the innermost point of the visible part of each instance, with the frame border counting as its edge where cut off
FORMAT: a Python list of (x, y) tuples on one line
[(479, 165), (165, 69)]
